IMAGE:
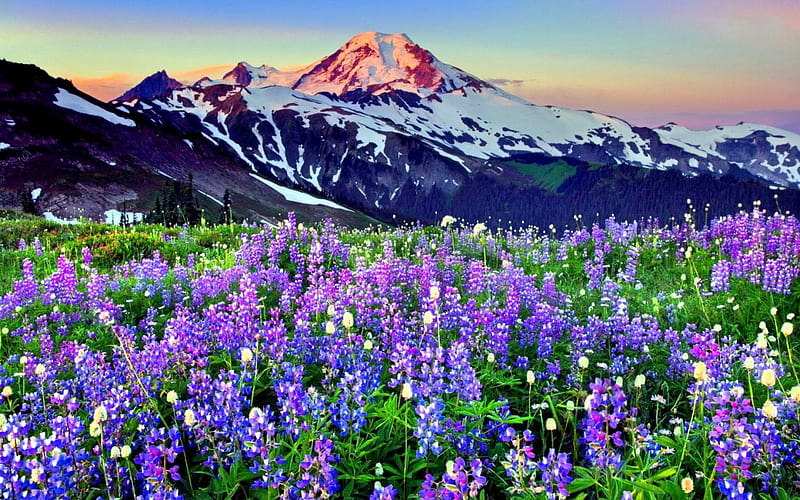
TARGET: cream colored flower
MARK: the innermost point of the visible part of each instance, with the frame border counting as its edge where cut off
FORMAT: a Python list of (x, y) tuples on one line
[(490, 357), (39, 370), (37, 475), (427, 318), (749, 363), (125, 451), (530, 377), (447, 221), (406, 391), (172, 396), (794, 393), (434, 292), (100, 414), (115, 452), (368, 345), (189, 418), (639, 381), (701, 371), (331, 310), (95, 429), (787, 329), (583, 362), (550, 424), (768, 377), (347, 320), (330, 327), (247, 355), (687, 485), (770, 410), (478, 229), (7, 392)]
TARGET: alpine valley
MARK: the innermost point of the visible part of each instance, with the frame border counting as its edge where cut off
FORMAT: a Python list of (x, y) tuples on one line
[(380, 129)]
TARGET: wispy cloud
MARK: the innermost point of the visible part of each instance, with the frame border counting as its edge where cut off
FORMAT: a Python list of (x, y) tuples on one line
[(506, 82)]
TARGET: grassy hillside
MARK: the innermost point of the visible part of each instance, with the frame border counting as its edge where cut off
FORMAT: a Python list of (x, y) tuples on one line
[(609, 361)]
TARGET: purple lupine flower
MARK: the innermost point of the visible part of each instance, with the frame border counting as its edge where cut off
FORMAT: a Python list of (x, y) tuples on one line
[(607, 414)]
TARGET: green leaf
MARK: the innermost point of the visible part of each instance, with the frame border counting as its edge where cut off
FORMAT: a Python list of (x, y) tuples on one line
[(580, 484), (641, 485), (665, 474)]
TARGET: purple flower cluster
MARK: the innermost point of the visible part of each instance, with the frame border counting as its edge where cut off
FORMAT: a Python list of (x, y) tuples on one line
[(607, 415)]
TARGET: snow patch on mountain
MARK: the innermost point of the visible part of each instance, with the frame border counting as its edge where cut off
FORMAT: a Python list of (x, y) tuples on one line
[(114, 216), (78, 104), (297, 196)]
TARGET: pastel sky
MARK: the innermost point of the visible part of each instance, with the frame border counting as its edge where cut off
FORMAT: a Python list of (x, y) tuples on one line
[(698, 63)]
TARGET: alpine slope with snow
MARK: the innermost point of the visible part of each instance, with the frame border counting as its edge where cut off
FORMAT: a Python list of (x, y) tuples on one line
[(80, 158), (383, 111)]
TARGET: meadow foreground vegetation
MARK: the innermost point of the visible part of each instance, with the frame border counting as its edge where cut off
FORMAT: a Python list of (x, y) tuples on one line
[(616, 360)]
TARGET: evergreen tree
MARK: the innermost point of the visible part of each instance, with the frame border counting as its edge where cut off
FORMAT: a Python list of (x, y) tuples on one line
[(27, 202), (191, 208), (226, 212)]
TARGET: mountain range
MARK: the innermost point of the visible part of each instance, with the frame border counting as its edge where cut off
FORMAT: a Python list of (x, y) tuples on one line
[(383, 128)]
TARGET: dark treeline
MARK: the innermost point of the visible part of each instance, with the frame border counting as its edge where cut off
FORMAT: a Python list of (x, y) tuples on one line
[(177, 205), (596, 193)]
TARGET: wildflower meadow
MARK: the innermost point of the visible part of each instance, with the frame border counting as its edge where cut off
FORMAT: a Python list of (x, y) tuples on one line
[(637, 360)]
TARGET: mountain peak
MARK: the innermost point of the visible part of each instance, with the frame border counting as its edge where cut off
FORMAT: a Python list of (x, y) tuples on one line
[(155, 85), (377, 62)]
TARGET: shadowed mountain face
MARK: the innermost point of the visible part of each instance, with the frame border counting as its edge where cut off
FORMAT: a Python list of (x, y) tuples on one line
[(84, 158), (384, 126)]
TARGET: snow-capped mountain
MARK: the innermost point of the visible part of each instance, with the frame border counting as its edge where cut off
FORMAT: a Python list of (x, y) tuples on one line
[(767, 152), (80, 157), (382, 122)]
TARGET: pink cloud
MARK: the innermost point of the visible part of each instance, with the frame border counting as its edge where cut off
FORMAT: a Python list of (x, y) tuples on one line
[(106, 87)]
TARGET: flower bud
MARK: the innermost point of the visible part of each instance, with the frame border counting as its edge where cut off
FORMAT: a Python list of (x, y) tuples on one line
[(530, 377), (687, 485), (427, 318), (172, 396), (749, 363), (550, 424), (787, 329), (189, 418), (700, 371), (406, 391), (583, 362), (768, 377), (247, 355), (100, 414), (769, 410), (347, 320), (639, 381)]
